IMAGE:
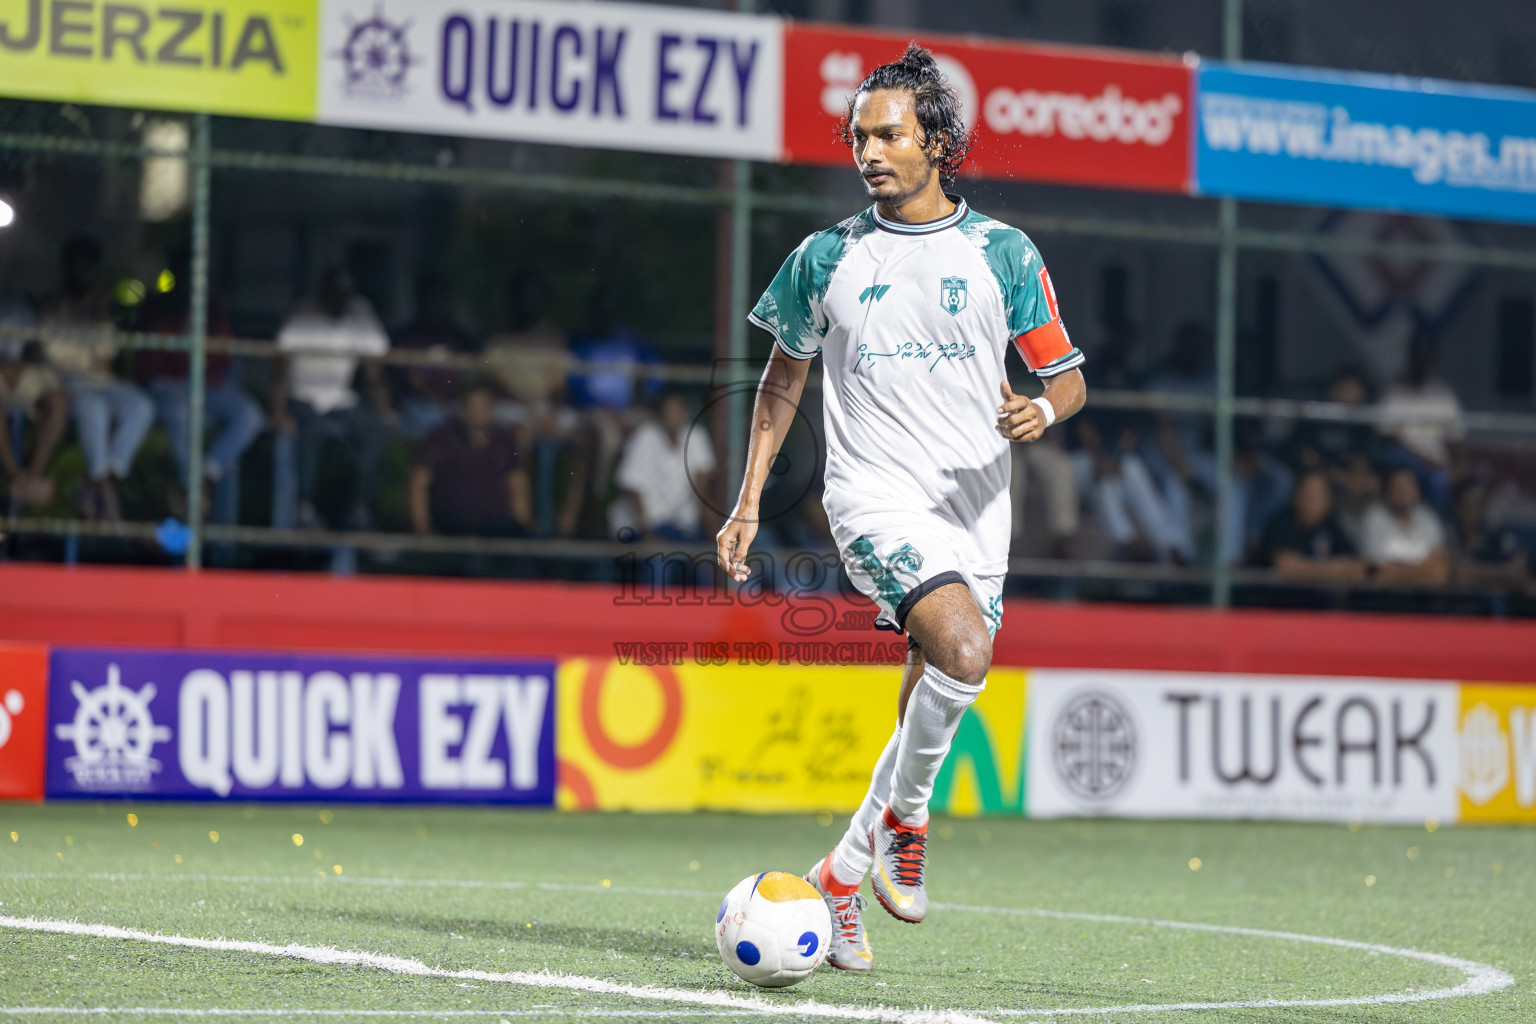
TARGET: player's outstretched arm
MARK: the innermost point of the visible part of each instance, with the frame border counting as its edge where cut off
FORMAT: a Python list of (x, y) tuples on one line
[(1022, 419), (778, 395)]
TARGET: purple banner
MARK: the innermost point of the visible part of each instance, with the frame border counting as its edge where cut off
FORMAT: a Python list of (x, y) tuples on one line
[(214, 725)]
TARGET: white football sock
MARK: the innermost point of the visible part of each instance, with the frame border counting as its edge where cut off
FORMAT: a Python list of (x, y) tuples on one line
[(933, 715), (851, 859)]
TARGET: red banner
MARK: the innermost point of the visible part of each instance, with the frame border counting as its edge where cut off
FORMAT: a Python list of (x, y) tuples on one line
[(1040, 113), (23, 715)]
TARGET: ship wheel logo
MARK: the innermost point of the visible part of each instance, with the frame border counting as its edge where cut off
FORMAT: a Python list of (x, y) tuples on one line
[(377, 56), (114, 735)]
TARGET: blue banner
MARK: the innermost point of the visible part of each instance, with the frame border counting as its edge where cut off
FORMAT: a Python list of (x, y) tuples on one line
[(1367, 141), (213, 725)]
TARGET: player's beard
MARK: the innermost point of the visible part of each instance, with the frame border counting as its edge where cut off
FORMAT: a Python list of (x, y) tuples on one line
[(906, 191)]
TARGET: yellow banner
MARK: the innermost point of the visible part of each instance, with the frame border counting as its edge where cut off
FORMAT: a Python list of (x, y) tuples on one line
[(764, 738), (246, 57), (1498, 753)]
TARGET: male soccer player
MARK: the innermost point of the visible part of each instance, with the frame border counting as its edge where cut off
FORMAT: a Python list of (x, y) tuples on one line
[(912, 305)]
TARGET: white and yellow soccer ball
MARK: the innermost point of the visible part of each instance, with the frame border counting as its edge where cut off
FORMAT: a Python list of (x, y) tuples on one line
[(773, 929)]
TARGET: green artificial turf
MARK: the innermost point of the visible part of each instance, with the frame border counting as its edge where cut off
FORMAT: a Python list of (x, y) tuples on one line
[(632, 899)]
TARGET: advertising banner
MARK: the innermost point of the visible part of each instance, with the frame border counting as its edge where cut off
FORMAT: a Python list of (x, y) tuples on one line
[(1041, 113), (1188, 745), (764, 737), (1334, 139), (609, 75), (247, 57), (1498, 753), (204, 725), (23, 714)]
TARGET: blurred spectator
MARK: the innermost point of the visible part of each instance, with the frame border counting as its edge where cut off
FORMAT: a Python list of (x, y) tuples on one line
[(467, 477), (1430, 415), (315, 401), (619, 376), (1305, 541), (1329, 443), (233, 418), (1359, 487), (1261, 485), (665, 468), (1485, 555), (1402, 538), (528, 355), (18, 325), (427, 393), (1182, 460), (605, 398), (529, 360), (111, 415), (1046, 465), (1134, 512), (30, 392)]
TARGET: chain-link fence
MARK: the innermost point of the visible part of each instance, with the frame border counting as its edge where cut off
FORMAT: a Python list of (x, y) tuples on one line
[(266, 345)]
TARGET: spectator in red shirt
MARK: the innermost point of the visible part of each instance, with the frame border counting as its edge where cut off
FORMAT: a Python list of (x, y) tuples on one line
[(468, 478)]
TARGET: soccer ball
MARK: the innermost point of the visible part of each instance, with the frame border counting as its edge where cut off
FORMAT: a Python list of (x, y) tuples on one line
[(773, 929)]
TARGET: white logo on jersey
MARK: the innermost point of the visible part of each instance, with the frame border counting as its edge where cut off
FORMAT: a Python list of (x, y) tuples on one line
[(952, 294)]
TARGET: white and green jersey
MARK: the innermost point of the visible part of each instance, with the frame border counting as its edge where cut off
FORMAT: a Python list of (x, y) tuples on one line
[(913, 322)]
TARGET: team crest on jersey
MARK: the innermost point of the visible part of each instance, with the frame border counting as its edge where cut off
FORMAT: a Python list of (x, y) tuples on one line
[(952, 294)]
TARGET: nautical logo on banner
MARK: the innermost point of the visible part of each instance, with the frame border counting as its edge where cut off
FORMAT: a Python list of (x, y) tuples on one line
[(10, 706), (114, 735), (377, 57), (1093, 743)]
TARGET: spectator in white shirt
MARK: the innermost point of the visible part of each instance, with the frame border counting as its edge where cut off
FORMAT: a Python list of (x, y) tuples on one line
[(1401, 537), (1428, 415), (111, 415), (315, 401), (664, 470)]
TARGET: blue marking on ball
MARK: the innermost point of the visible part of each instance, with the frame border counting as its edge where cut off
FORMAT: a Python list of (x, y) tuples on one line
[(721, 915), (808, 943), (748, 953)]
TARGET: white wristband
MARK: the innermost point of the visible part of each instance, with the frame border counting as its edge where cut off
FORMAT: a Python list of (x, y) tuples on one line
[(1047, 409)]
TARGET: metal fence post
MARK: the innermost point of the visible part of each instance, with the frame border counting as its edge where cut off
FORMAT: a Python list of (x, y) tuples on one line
[(1232, 30), (739, 407), (1226, 375), (741, 271), (198, 329), (1226, 341)]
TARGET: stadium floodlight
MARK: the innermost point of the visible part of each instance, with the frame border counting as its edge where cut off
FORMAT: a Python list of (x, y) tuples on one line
[(7, 214)]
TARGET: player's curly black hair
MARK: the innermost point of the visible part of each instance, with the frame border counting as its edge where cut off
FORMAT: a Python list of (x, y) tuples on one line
[(938, 108)]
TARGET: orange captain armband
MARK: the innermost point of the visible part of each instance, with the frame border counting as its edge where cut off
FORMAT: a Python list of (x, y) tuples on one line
[(1044, 345)]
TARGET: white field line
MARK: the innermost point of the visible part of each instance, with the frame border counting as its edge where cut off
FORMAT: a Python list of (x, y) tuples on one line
[(1480, 979), (331, 956), (166, 1011), (428, 883)]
